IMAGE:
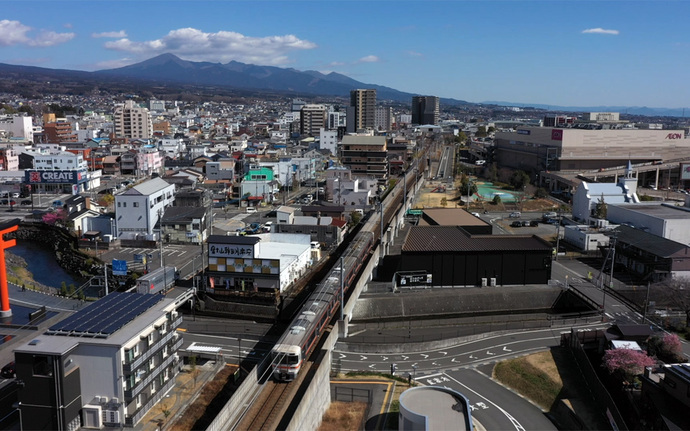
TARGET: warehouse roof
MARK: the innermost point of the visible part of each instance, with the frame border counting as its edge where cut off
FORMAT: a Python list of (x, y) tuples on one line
[(454, 238)]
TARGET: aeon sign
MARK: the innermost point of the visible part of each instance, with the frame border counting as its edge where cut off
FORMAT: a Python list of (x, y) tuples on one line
[(674, 136)]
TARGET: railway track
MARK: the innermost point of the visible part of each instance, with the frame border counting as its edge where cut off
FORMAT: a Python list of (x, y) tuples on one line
[(268, 410)]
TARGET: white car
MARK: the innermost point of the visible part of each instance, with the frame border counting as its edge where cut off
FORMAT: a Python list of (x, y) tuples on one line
[(515, 214)]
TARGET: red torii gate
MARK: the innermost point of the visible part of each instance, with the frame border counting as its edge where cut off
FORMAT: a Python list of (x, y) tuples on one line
[(5, 228)]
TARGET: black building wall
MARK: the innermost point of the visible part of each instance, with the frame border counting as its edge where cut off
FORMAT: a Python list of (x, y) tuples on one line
[(467, 269)]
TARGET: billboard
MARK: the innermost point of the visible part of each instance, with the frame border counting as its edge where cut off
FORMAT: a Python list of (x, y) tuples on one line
[(685, 171), (54, 177)]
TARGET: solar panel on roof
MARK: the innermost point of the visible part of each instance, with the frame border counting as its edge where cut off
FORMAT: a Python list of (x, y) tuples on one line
[(106, 315)]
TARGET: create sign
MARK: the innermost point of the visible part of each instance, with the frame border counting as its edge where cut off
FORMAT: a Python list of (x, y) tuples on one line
[(55, 177)]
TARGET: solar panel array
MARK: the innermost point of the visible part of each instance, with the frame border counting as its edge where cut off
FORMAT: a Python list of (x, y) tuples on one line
[(105, 316)]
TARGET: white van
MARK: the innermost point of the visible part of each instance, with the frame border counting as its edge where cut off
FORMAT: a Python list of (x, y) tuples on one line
[(251, 210)]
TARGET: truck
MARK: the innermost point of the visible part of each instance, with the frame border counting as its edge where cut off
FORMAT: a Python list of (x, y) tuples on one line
[(157, 281)]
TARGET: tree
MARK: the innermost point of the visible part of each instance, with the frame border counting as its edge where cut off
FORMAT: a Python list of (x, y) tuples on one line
[(628, 363), (461, 138), (355, 218), (497, 199), (492, 173), (193, 368), (519, 180), (444, 202), (465, 183), (481, 132), (667, 348), (676, 291), (601, 209), (541, 193)]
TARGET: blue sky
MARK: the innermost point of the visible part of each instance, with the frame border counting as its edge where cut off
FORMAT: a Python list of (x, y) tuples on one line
[(566, 53)]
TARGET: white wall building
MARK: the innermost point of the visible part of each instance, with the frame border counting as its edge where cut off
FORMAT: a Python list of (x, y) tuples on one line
[(59, 161), (18, 126), (138, 209), (172, 147), (328, 140), (665, 220)]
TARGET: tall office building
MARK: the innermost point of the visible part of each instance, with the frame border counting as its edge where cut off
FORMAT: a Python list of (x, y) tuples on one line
[(132, 121), (425, 110), (364, 102)]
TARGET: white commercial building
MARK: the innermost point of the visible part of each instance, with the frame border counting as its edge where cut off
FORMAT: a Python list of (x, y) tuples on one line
[(138, 209)]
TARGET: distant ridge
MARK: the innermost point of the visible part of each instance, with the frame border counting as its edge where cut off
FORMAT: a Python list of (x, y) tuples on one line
[(170, 68)]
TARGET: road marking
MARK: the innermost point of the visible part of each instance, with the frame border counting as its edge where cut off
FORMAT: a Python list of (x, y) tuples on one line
[(384, 359), (342, 356), (424, 355), (443, 353), (362, 358), (514, 421), (505, 349), (488, 352), (405, 358)]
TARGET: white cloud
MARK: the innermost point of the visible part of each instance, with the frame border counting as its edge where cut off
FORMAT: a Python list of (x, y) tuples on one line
[(600, 31), (51, 38), (335, 64), (414, 54), (223, 46), (111, 34), (369, 59), (15, 33)]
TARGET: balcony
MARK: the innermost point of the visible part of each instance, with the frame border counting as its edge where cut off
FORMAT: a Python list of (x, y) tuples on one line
[(138, 361), (149, 376)]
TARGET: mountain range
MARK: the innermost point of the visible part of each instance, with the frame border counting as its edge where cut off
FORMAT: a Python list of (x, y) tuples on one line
[(170, 71)]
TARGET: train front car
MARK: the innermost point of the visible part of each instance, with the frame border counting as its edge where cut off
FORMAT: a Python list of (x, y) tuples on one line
[(287, 361)]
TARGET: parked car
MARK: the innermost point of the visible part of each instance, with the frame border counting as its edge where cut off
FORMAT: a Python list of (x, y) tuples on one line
[(25, 202), (8, 371), (57, 203), (515, 214), (534, 223), (250, 210), (516, 223), (526, 223)]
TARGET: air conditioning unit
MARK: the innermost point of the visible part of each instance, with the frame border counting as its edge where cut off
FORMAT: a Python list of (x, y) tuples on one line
[(483, 281), (493, 281), (111, 417), (92, 416)]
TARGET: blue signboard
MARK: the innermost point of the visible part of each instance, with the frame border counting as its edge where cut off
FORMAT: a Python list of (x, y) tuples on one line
[(119, 267), (55, 177)]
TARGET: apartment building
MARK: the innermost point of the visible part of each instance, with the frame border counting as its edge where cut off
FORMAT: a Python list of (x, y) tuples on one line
[(312, 119), (365, 156), (106, 365), (363, 102), (131, 121), (59, 131)]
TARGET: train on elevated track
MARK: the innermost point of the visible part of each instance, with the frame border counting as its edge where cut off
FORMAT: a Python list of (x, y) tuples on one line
[(304, 332)]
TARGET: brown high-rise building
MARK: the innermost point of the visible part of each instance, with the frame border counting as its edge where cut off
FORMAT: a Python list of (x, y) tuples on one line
[(364, 104)]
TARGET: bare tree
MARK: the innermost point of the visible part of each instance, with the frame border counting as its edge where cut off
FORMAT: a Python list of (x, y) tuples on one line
[(676, 291)]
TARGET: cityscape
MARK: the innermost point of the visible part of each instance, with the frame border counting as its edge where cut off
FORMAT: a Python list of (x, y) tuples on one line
[(219, 227)]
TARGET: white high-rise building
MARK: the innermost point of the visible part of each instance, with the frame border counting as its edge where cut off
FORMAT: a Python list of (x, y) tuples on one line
[(132, 121)]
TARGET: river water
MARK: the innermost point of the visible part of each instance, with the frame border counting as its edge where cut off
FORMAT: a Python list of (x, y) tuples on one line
[(41, 263)]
